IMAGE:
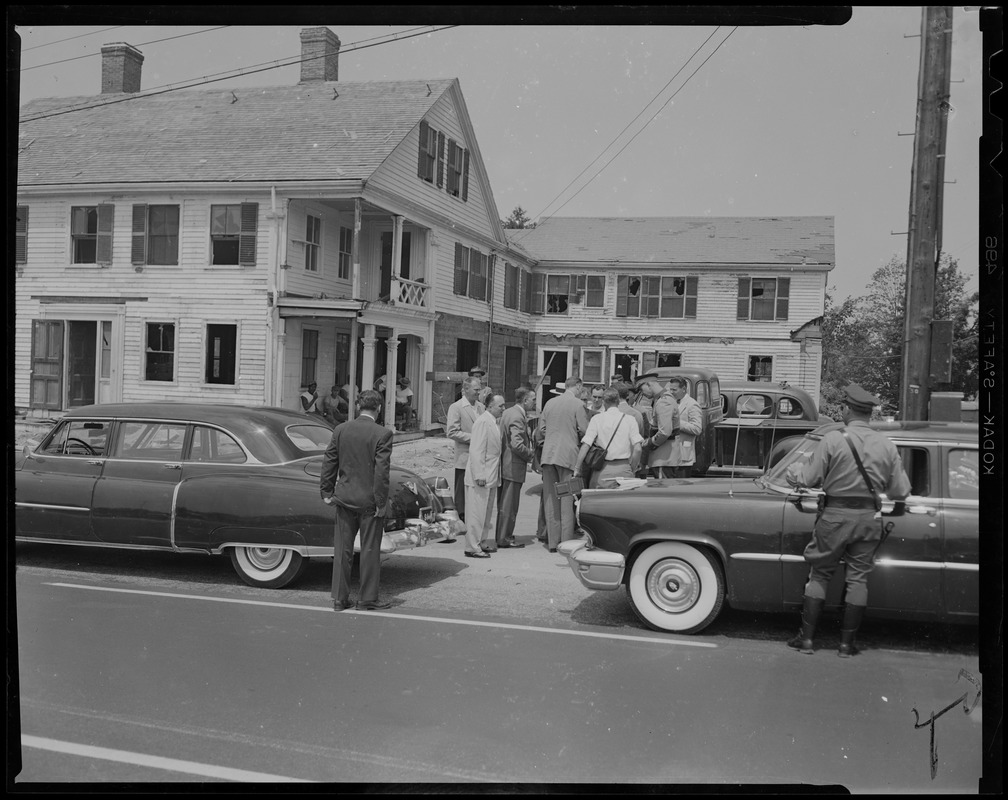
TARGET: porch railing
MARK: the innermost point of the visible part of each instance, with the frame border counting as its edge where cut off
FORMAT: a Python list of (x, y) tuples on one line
[(410, 293)]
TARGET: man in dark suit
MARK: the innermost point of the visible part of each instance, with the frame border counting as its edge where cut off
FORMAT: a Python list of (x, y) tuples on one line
[(563, 422), (516, 455), (355, 478)]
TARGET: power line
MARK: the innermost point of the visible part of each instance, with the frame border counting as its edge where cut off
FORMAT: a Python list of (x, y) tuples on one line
[(142, 44), (631, 122), (644, 127), (70, 38), (264, 67)]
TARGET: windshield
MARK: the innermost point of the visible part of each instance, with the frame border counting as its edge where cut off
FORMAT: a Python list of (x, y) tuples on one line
[(776, 476)]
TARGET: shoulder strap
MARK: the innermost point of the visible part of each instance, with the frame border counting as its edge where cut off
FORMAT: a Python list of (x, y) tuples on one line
[(860, 466), (618, 423)]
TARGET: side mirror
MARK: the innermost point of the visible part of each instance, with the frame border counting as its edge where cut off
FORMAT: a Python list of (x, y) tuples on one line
[(28, 450)]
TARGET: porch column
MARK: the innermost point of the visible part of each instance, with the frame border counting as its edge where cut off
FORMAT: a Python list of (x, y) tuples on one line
[(355, 254), (367, 376), (392, 343), (423, 388), (353, 367), (396, 268)]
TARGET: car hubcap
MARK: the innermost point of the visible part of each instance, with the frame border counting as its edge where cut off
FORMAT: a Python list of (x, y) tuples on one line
[(673, 586), (265, 558)]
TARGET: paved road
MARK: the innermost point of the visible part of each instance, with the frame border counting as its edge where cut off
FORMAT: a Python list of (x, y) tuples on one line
[(120, 682)]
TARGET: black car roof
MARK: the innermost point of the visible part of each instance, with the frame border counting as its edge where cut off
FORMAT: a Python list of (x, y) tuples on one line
[(247, 422)]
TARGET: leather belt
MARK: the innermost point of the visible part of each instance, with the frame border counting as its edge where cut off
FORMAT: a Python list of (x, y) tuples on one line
[(617, 460), (850, 502)]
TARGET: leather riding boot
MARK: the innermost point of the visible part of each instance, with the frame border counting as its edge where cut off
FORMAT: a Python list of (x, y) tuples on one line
[(851, 622), (810, 618)]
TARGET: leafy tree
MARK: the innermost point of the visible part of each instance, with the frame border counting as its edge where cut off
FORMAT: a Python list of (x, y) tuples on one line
[(863, 336), (518, 219)]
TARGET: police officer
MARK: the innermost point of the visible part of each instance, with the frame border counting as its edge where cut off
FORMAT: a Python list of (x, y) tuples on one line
[(848, 526)]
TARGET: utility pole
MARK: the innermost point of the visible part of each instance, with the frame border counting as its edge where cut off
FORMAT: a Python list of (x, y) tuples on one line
[(926, 179)]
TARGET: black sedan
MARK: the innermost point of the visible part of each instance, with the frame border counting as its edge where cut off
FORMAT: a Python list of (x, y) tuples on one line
[(191, 477), (682, 548)]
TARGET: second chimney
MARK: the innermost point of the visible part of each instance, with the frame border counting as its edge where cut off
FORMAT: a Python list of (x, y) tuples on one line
[(319, 55), (121, 64)]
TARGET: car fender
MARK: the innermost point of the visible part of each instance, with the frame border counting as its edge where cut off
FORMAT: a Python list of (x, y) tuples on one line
[(639, 541)]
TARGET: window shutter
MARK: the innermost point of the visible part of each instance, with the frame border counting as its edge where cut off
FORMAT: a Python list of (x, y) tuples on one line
[(424, 137), (103, 254), (247, 237), (138, 252), (538, 293), (525, 291), (465, 175), (440, 159), (21, 235), (491, 268), (691, 297), (743, 299), (461, 269), (622, 287), (783, 292)]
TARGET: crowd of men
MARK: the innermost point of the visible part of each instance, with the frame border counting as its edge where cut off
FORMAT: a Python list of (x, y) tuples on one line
[(495, 448)]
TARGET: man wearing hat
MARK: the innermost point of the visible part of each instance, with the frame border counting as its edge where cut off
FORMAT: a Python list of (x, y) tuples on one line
[(661, 459), (458, 426), (848, 527)]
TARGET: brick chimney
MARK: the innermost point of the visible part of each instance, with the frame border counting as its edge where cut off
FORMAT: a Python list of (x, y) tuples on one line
[(319, 55), (121, 64)]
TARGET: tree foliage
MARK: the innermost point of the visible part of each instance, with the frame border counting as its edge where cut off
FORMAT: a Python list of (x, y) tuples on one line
[(518, 219), (863, 336)]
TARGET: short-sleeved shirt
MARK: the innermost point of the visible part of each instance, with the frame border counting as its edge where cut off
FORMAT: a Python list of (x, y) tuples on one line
[(601, 428)]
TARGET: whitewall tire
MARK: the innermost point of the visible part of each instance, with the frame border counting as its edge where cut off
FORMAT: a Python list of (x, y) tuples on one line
[(675, 587), (267, 567)]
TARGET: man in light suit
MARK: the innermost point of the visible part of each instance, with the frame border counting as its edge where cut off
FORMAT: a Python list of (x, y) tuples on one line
[(482, 476), (458, 426), (516, 455), (690, 426), (664, 427), (563, 422), (355, 478)]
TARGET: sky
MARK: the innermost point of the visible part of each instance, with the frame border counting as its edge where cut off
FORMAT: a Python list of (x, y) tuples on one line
[(631, 120)]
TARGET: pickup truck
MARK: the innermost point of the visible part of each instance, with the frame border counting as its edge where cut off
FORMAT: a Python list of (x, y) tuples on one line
[(748, 425)]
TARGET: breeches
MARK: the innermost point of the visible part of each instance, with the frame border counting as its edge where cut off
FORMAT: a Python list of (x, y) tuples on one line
[(851, 535)]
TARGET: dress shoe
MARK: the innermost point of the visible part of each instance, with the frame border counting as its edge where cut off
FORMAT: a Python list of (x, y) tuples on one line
[(487, 549), (342, 605), (508, 545), (552, 549), (377, 605)]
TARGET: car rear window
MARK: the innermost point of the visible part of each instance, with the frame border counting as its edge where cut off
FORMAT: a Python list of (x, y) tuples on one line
[(310, 438)]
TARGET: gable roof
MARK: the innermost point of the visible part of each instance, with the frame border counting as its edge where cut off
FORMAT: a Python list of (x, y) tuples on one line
[(277, 133), (680, 240)]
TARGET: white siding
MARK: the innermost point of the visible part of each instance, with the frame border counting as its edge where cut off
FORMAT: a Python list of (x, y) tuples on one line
[(190, 294), (298, 280)]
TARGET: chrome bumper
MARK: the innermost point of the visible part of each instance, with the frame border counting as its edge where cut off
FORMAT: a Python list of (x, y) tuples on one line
[(418, 533), (596, 569)]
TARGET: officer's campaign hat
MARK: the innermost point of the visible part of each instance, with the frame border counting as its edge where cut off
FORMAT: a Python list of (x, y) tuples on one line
[(858, 399)]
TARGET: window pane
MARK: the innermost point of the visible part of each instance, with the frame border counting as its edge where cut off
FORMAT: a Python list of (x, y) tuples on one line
[(160, 353), (964, 475), (154, 441), (215, 446), (220, 356)]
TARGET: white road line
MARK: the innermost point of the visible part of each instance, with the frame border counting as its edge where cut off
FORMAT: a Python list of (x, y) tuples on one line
[(154, 762), (407, 616)]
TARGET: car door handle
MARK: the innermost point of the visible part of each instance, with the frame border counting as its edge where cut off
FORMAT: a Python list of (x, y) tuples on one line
[(929, 510), (96, 462), (172, 466)]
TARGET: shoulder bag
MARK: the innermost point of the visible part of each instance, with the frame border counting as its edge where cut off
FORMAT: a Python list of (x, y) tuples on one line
[(595, 458)]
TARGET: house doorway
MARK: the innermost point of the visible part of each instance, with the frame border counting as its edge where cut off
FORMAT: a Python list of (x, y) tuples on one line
[(555, 364), (627, 366), (82, 352)]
